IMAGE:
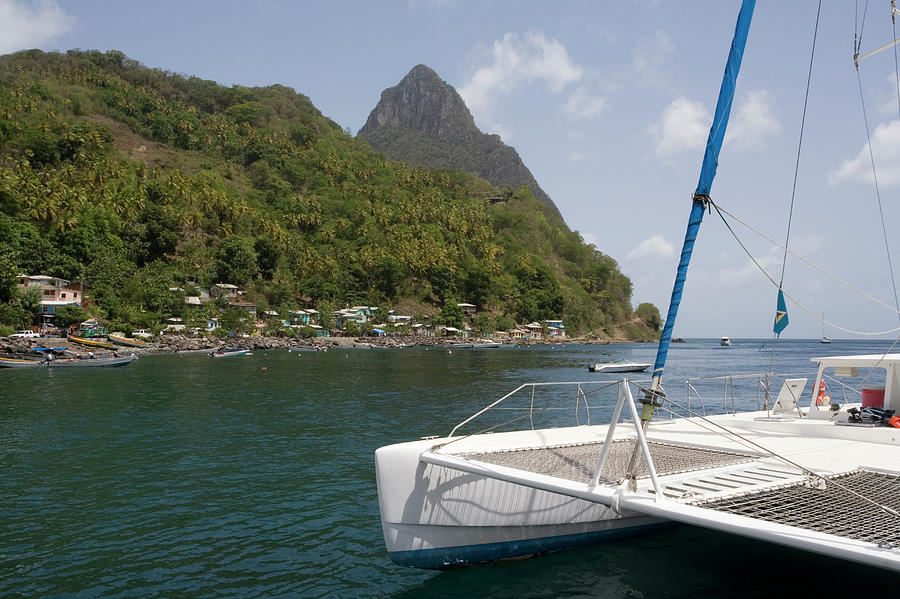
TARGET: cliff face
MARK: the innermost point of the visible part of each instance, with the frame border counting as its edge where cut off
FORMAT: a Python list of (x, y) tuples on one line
[(424, 121)]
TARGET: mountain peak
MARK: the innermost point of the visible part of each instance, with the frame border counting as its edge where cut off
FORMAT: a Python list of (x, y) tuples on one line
[(422, 101), (424, 121)]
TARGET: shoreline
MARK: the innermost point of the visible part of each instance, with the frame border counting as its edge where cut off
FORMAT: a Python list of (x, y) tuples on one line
[(183, 344)]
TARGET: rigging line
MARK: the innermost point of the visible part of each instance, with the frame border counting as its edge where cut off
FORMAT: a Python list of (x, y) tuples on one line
[(896, 60), (887, 248), (860, 27), (788, 295), (812, 55), (807, 262), (812, 473)]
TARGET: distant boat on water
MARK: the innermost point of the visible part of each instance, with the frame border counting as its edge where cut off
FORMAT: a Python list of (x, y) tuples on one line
[(824, 339), (619, 366), (90, 362), (227, 352), (725, 342)]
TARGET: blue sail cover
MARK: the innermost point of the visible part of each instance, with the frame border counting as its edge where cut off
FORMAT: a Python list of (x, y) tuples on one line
[(707, 174)]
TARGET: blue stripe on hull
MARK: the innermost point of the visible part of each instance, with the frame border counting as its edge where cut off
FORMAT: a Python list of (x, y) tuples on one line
[(443, 558)]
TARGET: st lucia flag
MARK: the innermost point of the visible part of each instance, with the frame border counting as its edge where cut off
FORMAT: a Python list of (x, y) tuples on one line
[(781, 317)]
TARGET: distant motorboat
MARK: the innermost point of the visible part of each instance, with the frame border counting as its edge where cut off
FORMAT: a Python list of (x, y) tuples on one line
[(487, 345), (619, 366), (227, 352), (824, 339), (725, 342)]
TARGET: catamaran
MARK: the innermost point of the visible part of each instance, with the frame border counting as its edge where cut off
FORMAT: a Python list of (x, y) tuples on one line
[(821, 475)]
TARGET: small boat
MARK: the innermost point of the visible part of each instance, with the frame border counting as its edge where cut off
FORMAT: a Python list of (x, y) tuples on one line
[(127, 341), (19, 363), (824, 339), (486, 345), (305, 349), (92, 342), (619, 366), (725, 342), (227, 352), (91, 361)]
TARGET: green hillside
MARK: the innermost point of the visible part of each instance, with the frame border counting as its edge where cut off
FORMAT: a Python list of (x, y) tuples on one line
[(135, 181)]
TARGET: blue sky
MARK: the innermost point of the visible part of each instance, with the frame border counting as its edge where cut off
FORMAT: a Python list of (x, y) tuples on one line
[(608, 104)]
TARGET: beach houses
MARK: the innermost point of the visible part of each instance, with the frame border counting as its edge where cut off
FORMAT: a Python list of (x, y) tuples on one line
[(55, 292)]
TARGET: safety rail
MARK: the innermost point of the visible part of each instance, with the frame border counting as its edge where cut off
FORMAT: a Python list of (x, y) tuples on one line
[(766, 382), (738, 394), (582, 390)]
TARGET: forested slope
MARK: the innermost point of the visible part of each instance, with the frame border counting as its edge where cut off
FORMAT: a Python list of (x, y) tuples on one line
[(136, 181)]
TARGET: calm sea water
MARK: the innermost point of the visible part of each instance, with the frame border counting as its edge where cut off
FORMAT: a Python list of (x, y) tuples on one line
[(181, 476)]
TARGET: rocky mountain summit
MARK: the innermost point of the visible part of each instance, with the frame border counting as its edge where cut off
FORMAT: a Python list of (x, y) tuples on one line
[(424, 121)]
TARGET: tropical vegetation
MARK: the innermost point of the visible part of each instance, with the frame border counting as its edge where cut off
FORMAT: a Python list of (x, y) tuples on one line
[(142, 183)]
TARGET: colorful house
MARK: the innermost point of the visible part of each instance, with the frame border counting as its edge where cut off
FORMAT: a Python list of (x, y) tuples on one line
[(555, 329), (55, 292)]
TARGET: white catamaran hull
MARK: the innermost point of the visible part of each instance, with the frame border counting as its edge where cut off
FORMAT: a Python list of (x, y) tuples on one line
[(436, 517)]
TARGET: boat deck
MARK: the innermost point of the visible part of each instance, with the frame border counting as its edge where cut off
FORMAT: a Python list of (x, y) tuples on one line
[(578, 462), (824, 487), (844, 514)]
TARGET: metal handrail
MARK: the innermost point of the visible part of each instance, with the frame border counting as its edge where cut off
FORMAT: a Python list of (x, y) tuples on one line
[(580, 394)]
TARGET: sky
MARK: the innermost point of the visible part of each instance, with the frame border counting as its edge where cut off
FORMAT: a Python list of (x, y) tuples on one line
[(609, 105)]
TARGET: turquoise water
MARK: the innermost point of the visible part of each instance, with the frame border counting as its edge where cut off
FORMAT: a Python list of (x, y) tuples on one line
[(181, 476)]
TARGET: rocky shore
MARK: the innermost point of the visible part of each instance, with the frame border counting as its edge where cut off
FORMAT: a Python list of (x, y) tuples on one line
[(166, 344)]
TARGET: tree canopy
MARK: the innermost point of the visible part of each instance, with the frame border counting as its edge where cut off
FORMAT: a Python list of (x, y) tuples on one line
[(140, 182)]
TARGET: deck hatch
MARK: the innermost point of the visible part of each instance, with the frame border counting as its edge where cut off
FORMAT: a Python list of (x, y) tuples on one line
[(830, 510), (577, 462)]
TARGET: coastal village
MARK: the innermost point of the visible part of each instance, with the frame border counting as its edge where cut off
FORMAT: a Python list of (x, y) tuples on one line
[(352, 325)]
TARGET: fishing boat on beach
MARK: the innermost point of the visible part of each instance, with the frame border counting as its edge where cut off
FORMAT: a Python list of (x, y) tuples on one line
[(821, 475), (126, 341), (99, 342)]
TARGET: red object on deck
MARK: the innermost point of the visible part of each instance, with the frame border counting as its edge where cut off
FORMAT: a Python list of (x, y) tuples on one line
[(873, 397)]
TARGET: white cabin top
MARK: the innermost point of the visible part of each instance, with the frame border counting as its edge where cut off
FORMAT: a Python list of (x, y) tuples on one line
[(846, 365)]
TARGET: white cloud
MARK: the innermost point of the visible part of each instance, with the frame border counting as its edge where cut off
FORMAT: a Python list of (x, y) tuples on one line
[(886, 98), (656, 247), (684, 124), (886, 147), (749, 272), (753, 120), (771, 261), (590, 238), (649, 58), (514, 62), (582, 105), (25, 25)]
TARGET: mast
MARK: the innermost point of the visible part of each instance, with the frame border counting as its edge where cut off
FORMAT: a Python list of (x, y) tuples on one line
[(698, 205)]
